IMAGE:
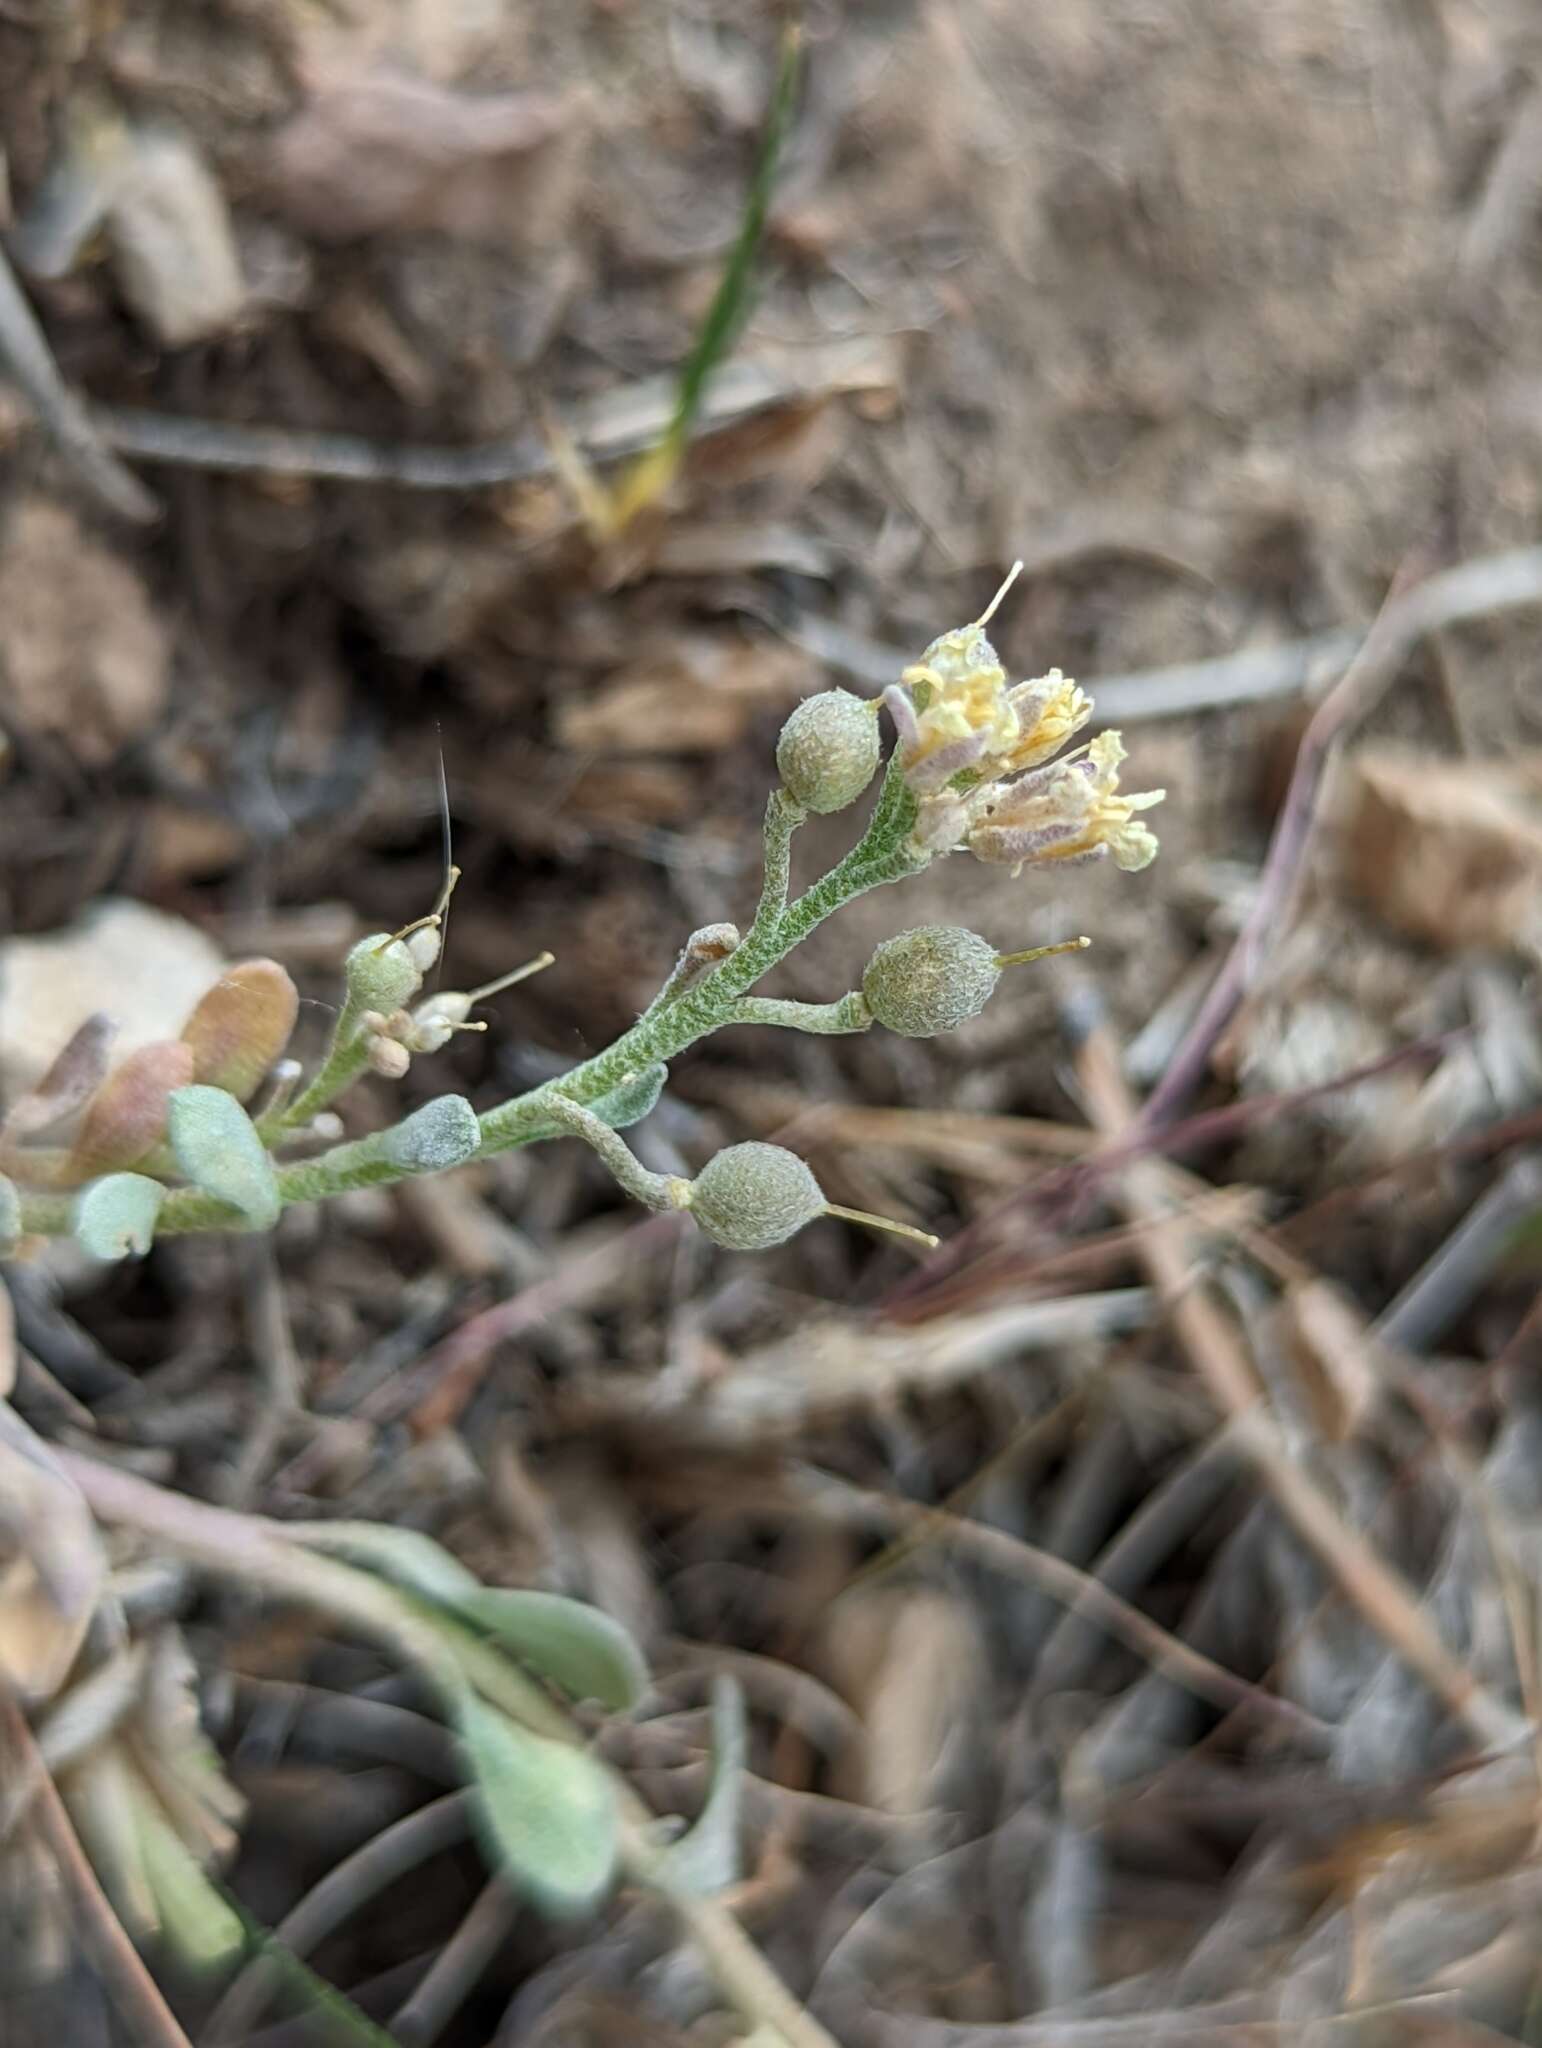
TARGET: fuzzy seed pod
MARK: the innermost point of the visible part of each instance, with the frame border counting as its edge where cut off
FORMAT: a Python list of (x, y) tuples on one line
[(754, 1196), (381, 973), (828, 750), (931, 979)]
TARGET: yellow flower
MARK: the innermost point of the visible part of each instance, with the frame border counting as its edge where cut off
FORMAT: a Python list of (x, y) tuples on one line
[(1072, 811), (978, 757), (1049, 711), (961, 713)]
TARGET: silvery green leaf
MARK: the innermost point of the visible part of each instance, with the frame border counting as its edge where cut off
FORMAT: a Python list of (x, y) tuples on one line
[(193, 1914), (217, 1147), (10, 1214), (547, 1809), (114, 1217), (706, 1858), (577, 1647), (404, 1556), (631, 1102), (443, 1133)]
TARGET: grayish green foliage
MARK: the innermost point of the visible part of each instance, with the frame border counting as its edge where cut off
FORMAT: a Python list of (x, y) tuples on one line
[(10, 1214), (706, 1857), (548, 1809), (217, 1147), (577, 1647), (443, 1133), (406, 1557), (114, 1217)]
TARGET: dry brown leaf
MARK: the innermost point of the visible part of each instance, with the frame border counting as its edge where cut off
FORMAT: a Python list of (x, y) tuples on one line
[(390, 151), (53, 1568), (695, 695), (86, 657), (1448, 851), (912, 1663), (77, 1071), (1335, 1354)]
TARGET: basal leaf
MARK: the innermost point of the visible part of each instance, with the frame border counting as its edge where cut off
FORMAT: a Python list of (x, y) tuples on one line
[(217, 1147), (577, 1647), (547, 1809)]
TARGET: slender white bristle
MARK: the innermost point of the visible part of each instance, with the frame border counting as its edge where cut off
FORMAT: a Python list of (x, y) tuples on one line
[(989, 612)]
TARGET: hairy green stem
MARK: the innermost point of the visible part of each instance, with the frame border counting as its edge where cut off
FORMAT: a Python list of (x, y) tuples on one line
[(883, 854), (849, 1014), (261, 1557)]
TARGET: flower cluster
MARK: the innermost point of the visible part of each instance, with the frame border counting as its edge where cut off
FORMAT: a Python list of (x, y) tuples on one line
[(977, 754)]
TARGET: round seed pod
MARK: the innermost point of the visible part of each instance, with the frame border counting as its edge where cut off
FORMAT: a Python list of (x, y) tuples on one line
[(754, 1196), (931, 979), (381, 973), (828, 750)]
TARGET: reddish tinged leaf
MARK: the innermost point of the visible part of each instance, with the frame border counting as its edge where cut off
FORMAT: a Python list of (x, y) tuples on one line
[(127, 1116), (241, 1026), (75, 1075)]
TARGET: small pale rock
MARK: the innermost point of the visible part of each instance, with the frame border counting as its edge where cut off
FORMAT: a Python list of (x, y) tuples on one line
[(1448, 852), (86, 657), (142, 967), (172, 242)]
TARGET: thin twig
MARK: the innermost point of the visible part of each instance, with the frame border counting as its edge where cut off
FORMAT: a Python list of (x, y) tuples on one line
[(434, 1392), (1080, 1593), (456, 1970), (405, 1845), (1382, 1595), (142, 2004), (1056, 1192), (257, 1553), (26, 356), (621, 424), (1413, 610), (1439, 1292), (281, 1400)]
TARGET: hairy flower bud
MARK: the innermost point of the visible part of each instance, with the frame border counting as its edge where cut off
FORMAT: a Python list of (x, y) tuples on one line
[(387, 1057), (381, 972), (931, 979), (754, 1196), (828, 750)]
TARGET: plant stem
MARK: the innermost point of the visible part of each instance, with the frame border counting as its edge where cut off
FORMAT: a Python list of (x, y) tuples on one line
[(849, 1014), (883, 854), (258, 1554)]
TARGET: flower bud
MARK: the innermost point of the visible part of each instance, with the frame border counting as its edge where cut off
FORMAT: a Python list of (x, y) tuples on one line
[(754, 1196), (828, 750), (931, 979), (381, 973), (387, 1057)]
